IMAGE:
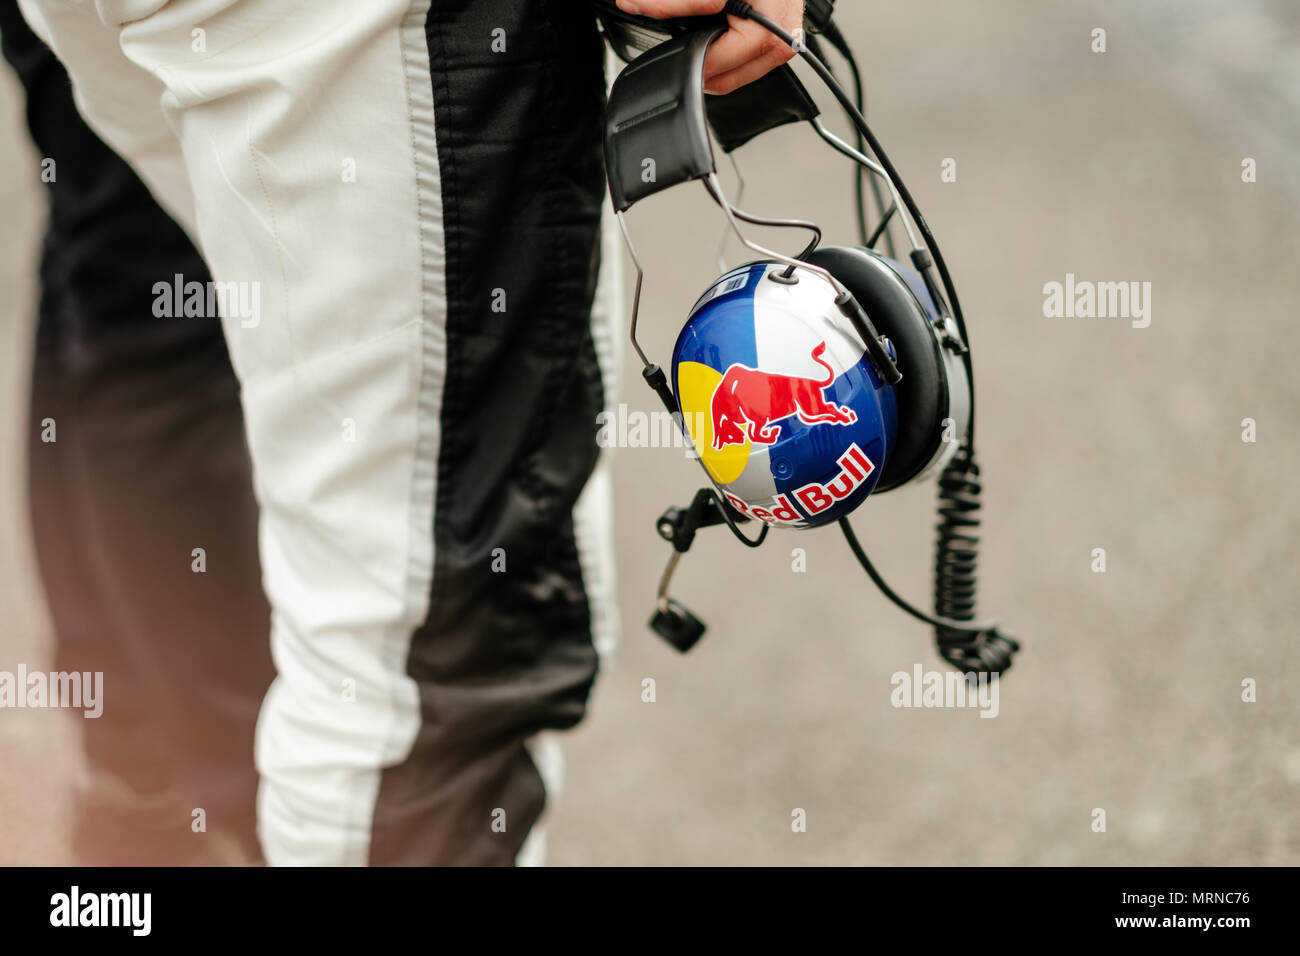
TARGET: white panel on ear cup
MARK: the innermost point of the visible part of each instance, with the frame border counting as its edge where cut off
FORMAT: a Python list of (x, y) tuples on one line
[(790, 318)]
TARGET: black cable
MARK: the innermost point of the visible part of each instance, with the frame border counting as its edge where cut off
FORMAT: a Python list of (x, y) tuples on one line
[(859, 174), (859, 196), (750, 218), (956, 559), (963, 627), (724, 509), (973, 647), (884, 222), (837, 40), (738, 8)]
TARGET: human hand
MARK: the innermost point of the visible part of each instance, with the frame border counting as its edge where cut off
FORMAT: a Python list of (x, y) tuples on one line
[(746, 51)]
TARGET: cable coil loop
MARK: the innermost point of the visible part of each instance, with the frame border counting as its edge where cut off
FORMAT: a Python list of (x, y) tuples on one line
[(955, 569)]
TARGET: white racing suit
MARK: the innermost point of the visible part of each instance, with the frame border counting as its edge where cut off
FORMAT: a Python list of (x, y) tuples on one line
[(401, 203)]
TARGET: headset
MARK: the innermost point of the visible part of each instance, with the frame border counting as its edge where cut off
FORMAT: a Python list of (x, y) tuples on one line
[(896, 403)]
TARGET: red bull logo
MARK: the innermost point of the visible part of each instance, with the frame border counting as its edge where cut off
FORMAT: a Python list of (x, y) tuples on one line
[(750, 400), (813, 497)]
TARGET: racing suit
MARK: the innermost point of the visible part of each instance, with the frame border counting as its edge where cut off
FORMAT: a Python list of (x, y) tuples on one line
[(136, 457), (401, 204)]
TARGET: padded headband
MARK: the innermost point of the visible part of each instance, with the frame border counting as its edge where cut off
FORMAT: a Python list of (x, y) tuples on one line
[(658, 111)]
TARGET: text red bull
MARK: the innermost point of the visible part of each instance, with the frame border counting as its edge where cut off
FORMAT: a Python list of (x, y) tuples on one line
[(813, 497)]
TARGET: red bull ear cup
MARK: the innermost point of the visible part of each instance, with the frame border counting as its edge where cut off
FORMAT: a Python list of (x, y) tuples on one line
[(788, 417)]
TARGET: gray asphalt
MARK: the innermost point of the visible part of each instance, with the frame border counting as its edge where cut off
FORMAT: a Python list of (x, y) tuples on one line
[(1115, 166)]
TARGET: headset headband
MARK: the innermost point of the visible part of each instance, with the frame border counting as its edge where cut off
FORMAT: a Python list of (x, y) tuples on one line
[(658, 111), (657, 136)]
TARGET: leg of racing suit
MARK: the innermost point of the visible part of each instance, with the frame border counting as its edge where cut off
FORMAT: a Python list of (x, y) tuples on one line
[(407, 201), (148, 462)]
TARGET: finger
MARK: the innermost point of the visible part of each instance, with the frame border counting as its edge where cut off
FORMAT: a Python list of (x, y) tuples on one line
[(671, 8), (749, 71), (745, 41), (733, 80)]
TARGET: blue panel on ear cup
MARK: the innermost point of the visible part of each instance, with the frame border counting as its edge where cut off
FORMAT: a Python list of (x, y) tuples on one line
[(917, 285)]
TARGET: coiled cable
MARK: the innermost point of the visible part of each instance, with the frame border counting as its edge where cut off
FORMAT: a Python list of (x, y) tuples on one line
[(956, 564)]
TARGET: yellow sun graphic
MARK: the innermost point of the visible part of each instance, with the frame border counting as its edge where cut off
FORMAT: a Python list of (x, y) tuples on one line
[(695, 385)]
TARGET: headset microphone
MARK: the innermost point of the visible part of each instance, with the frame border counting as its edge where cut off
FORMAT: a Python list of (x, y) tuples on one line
[(806, 383)]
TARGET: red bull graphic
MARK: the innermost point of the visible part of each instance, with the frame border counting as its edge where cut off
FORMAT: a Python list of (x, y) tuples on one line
[(813, 497), (780, 512), (787, 416), (854, 468), (749, 399)]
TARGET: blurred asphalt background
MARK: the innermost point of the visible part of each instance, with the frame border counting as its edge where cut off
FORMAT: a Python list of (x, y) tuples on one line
[(1117, 166)]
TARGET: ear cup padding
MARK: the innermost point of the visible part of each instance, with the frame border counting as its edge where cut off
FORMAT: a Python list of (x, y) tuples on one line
[(922, 395)]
